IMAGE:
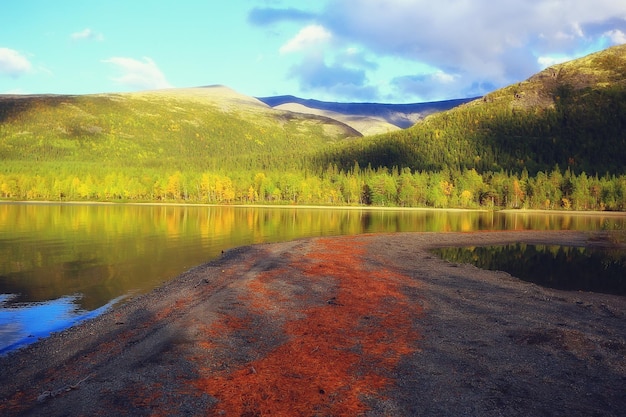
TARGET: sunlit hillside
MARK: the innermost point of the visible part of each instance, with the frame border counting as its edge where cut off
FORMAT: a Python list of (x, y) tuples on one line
[(366, 125), (572, 114), (202, 128)]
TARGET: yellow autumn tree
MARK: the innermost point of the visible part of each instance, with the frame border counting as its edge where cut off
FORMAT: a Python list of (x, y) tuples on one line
[(174, 185)]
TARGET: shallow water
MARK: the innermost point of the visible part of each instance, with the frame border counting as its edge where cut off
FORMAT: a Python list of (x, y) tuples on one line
[(62, 263), (560, 267)]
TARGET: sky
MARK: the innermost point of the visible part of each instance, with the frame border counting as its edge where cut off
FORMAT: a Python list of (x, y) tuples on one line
[(388, 51)]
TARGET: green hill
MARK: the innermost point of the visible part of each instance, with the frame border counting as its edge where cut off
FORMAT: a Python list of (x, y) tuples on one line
[(554, 141), (202, 128), (573, 115)]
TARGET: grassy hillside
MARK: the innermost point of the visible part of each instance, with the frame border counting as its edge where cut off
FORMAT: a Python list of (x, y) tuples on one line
[(573, 115), (204, 128)]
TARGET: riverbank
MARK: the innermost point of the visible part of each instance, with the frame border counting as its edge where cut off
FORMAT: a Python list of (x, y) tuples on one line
[(369, 325)]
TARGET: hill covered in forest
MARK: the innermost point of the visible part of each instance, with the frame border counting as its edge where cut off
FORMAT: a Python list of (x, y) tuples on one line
[(197, 128), (572, 115)]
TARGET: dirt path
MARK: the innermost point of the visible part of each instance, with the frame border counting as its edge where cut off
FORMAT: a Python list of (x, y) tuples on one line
[(369, 325)]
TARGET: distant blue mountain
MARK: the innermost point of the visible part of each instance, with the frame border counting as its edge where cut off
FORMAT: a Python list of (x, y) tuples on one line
[(401, 115)]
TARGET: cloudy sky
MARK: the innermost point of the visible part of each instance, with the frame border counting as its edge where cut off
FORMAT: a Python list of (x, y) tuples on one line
[(341, 50)]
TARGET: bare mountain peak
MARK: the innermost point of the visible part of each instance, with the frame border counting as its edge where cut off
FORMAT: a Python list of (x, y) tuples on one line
[(400, 115)]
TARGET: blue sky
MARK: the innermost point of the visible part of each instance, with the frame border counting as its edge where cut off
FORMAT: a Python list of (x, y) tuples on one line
[(340, 50)]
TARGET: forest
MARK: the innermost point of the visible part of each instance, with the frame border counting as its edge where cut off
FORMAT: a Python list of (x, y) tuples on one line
[(554, 141), (554, 189)]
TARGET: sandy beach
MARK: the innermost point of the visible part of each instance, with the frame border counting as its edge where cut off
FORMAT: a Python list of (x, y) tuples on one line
[(368, 325)]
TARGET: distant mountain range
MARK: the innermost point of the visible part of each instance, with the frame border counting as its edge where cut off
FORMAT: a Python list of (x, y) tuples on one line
[(368, 118)]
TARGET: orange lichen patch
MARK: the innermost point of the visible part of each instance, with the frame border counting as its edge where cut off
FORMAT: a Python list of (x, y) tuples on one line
[(226, 325), (260, 294), (220, 330), (178, 305), (145, 399), (342, 349), (146, 396)]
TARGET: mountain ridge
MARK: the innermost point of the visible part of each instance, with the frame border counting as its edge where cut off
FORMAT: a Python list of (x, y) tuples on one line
[(400, 115)]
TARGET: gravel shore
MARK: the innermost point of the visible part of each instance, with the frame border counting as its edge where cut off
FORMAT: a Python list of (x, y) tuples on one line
[(371, 325)]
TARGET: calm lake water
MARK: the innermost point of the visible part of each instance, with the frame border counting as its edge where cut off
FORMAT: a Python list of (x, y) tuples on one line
[(62, 263), (554, 266)]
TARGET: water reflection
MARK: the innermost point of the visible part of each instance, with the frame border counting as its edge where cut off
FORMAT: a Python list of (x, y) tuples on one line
[(83, 256), (560, 267)]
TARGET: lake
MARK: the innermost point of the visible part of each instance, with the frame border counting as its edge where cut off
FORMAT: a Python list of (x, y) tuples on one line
[(63, 263), (554, 266)]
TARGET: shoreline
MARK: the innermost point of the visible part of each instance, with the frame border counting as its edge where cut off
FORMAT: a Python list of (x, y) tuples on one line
[(294, 328), (375, 220), (322, 207)]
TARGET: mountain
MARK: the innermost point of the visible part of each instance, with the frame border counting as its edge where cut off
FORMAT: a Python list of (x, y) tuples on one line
[(365, 125), (212, 127), (400, 115), (198, 128), (572, 115)]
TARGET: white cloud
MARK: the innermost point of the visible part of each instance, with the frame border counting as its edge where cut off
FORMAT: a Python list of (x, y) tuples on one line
[(136, 74), (308, 37), (16, 91), (87, 34), (444, 78), (13, 64), (486, 44), (548, 61), (428, 87), (479, 39), (616, 36)]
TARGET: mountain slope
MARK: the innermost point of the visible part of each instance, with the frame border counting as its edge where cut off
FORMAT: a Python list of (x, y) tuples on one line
[(214, 145), (200, 128), (366, 125), (573, 115)]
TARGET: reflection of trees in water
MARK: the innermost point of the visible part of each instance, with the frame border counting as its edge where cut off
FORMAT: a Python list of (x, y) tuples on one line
[(560, 267), (102, 251)]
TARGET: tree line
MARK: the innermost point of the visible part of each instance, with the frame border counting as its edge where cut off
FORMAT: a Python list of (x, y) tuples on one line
[(551, 190)]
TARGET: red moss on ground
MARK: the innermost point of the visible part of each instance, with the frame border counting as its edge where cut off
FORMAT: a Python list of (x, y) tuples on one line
[(337, 353)]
